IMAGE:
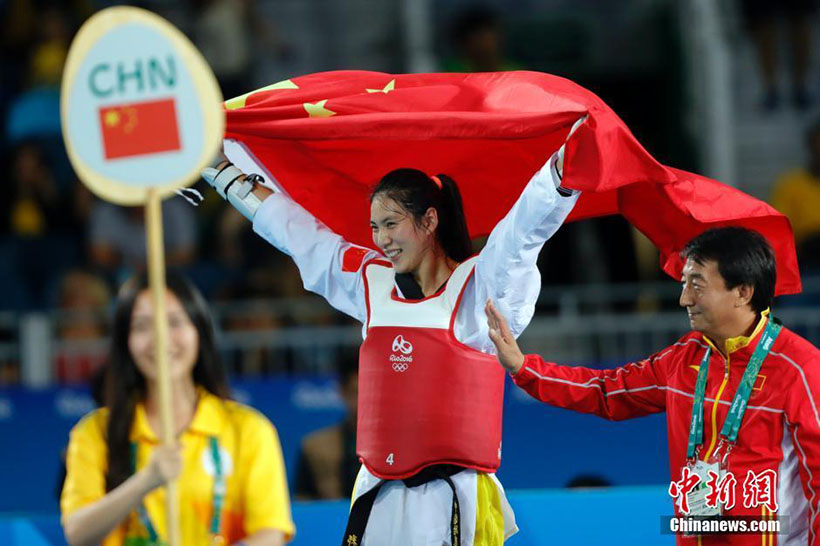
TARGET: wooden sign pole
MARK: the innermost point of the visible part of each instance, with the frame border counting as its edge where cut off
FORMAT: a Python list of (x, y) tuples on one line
[(156, 280)]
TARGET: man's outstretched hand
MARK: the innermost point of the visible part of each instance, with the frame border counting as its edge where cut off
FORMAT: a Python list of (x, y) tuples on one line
[(509, 354)]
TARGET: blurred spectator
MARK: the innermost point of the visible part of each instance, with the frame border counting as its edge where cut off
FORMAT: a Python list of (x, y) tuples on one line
[(233, 236), (234, 244), (478, 41), (9, 361), (595, 251), (256, 356), (116, 235), (35, 41), (223, 32), (34, 114), (328, 464), (797, 195), (762, 17), (9, 372), (81, 326), (40, 217), (49, 53), (19, 18), (36, 206)]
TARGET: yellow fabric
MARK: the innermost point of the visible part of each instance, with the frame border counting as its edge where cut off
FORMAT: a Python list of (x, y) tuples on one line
[(797, 195), (256, 496), (489, 521), (736, 343), (47, 63), (714, 418), (27, 218)]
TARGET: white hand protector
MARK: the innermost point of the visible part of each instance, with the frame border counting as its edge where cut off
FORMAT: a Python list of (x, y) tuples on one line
[(239, 193)]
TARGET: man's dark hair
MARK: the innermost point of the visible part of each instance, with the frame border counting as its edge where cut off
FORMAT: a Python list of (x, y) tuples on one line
[(743, 256)]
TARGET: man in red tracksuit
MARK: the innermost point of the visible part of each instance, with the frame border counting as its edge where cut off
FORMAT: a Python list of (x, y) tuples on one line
[(772, 449)]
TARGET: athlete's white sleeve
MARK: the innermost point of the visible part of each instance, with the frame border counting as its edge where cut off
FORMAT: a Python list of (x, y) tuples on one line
[(506, 270), (318, 253)]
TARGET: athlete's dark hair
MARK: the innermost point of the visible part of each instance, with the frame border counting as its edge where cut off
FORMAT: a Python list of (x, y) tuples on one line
[(124, 385), (416, 192), (743, 257)]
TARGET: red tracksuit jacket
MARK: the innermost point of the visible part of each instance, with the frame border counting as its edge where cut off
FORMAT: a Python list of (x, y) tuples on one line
[(780, 429)]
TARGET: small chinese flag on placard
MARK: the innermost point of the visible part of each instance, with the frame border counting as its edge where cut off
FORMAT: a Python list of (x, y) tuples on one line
[(139, 128)]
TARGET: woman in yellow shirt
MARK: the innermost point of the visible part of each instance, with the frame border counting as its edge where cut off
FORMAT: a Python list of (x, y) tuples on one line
[(228, 460)]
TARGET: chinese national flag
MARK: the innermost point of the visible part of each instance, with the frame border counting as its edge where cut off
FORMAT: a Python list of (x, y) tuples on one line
[(139, 128), (329, 137)]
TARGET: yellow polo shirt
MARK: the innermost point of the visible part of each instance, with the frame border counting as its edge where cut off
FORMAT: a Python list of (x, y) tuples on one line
[(797, 195), (251, 456)]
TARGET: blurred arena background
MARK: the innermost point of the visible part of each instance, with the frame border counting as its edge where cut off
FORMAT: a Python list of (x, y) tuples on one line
[(724, 88)]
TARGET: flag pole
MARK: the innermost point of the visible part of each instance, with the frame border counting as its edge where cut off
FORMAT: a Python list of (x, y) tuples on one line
[(156, 280)]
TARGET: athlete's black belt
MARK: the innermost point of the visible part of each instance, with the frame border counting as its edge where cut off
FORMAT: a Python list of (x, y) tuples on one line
[(360, 511)]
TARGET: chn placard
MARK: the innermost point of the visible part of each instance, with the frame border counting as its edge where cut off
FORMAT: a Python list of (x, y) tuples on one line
[(140, 107)]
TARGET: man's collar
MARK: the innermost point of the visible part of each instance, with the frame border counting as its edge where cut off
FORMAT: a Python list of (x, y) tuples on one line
[(209, 418), (736, 343)]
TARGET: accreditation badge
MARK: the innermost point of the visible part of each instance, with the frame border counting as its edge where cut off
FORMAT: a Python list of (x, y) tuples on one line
[(698, 495)]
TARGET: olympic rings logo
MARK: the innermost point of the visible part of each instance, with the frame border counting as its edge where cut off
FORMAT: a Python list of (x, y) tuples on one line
[(401, 362), (400, 344)]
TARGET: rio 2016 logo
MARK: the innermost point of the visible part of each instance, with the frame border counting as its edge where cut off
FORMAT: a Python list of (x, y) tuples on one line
[(401, 362)]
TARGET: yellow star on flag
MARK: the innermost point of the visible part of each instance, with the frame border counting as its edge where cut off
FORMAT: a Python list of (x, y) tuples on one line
[(112, 118), (318, 110), (239, 102), (387, 88)]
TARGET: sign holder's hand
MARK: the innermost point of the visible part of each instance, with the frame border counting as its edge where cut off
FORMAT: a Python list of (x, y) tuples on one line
[(509, 354)]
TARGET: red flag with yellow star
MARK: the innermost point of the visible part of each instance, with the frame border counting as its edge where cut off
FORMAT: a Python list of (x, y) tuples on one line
[(139, 128), (329, 137)]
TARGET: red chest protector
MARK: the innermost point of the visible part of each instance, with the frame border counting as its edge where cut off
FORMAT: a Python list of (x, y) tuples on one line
[(424, 397)]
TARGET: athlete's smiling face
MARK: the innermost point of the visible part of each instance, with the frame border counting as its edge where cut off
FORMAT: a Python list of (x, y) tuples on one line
[(396, 233)]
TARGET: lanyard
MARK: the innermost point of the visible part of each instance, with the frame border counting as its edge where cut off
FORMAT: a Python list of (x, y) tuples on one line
[(731, 427), (219, 493)]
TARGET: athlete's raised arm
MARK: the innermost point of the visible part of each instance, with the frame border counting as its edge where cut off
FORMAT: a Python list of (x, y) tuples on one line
[(329, 265)]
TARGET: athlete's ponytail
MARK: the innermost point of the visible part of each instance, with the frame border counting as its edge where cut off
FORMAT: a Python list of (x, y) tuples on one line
[(452, 231), (416, 192)]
